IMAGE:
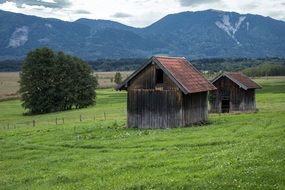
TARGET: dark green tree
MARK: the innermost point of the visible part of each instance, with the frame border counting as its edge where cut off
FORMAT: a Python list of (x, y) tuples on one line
[(118, 78), (54, 82)]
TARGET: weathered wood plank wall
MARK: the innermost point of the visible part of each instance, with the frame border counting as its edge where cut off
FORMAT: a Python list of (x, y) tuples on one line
[(195, 108), (146, 80), (154, 108), (165, 108)]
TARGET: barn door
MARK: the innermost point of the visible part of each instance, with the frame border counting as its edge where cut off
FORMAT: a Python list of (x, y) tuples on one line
[(225, 106)]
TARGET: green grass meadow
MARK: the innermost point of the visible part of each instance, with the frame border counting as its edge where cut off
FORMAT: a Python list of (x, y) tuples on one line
[(233, 151)]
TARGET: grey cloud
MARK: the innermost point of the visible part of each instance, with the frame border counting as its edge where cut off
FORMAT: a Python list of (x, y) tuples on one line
[(186, 3), (56, 4), (80, 11), (250, 6), (277, 14), (121, 15)]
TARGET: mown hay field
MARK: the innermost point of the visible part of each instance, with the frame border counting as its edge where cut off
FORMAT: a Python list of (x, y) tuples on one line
[(233, 151), (9, 85)]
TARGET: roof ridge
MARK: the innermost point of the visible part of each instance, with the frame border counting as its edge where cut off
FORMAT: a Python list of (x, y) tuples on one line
[(169, 57), (237, 72)]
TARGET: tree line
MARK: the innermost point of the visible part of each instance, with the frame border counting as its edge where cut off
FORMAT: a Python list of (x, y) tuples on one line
[(266, 69), (237, 64), (208, 64)]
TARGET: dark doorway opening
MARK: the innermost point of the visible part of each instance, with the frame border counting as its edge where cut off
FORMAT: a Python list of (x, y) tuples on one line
[(225, 106)]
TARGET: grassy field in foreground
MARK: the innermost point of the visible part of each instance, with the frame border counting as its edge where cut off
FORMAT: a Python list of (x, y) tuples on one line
[(234, 151)]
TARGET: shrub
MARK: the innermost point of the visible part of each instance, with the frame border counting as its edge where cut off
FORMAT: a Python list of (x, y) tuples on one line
[(118, 78)]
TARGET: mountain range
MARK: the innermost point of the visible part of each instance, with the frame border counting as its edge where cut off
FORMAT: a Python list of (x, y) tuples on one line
[(201, 34)]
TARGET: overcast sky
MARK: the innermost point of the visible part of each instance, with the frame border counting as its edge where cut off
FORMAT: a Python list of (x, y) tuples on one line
[(138, 13)]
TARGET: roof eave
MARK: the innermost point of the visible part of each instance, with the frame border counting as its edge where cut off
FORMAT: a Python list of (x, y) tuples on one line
[(258, 86)]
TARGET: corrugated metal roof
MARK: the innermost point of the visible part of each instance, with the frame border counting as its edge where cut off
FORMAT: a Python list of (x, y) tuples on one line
[(186, 74), (240, 79), (181, 71)]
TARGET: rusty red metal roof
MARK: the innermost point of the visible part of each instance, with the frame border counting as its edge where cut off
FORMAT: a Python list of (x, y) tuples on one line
[(186, 74), (182, 72), (240, 79)]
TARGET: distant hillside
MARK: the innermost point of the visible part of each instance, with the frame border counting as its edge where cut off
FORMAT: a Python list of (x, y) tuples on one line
[(202, 34)]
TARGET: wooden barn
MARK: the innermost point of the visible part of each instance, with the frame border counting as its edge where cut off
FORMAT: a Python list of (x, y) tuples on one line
[(166, 92), (235, 93)]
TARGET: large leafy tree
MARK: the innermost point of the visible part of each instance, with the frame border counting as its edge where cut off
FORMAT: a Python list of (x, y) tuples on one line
[(52, 81)]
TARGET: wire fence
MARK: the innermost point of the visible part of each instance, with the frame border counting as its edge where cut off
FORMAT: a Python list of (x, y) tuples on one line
[(64, 119)]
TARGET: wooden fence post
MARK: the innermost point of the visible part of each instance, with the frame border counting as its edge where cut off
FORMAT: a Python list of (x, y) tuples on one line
[(80, 118), (63, 120)]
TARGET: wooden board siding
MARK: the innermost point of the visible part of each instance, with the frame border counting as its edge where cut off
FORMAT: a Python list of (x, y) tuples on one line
[(165, 108), (195, 108), (146, 80), (154, 108), (249, 100), (240, 99)]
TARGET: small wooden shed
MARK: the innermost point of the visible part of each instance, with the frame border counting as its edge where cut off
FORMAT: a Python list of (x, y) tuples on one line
[(235, 93), (166, 92)]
